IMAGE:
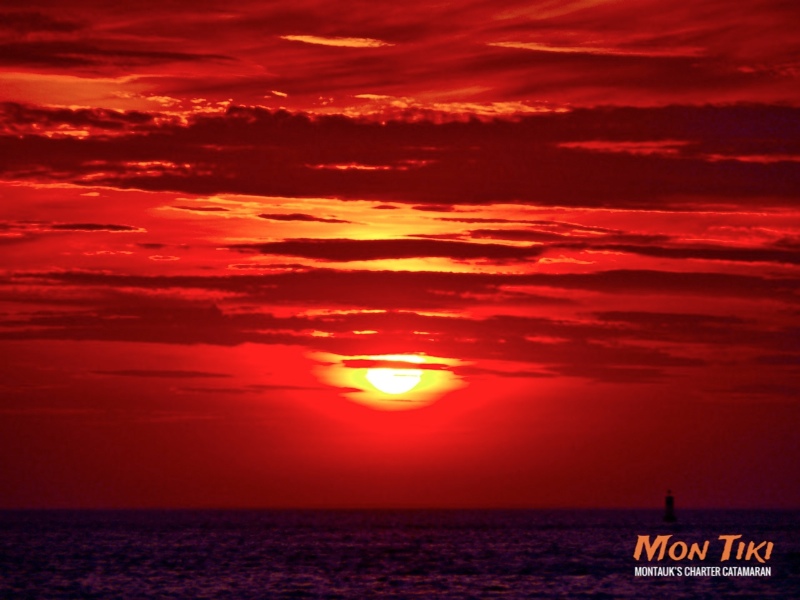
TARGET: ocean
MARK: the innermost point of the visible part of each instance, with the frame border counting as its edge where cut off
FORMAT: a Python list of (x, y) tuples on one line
[(241, 554)]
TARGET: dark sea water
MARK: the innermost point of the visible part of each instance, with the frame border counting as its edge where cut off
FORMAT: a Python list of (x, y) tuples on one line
[(376, 554)]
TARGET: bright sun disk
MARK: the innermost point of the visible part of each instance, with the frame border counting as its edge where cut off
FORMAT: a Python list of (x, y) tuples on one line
[(391, 380), (394, 381)]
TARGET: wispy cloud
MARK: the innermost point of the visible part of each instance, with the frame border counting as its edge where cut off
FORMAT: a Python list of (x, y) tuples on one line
[(94, 227), (651, 52), (299, 217), (25, 22), (165, 374), (342, 42)]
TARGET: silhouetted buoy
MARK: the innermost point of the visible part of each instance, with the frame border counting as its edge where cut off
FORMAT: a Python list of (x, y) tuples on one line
[(669, 508)]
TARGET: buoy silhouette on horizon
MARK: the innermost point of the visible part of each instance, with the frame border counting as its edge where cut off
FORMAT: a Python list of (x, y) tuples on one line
[(669, 508)]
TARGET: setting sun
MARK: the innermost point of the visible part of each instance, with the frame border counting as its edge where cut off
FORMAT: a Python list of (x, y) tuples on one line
[(394, 381), (390, 381)]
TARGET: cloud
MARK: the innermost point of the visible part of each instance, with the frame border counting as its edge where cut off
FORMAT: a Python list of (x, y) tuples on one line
[(760, 389), (791, 257), (407, 289), (691, 328), (70, 54), (21, 118), (472, 371), (613, 374), (497, 339), (642, 245), (345, 250), (93, 227), (19, 232), (393, 364), (434, 207), (260, 152), (341, 42), (298, 217), (671, 321), (25, 22), (618, 346), (788, 360), (662, 147), (568, 236), (166, 374), (631, 347), (201, 208), (432, 54), (651, 52)]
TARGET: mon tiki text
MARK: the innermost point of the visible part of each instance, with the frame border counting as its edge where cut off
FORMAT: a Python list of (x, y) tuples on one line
[(728, 545)]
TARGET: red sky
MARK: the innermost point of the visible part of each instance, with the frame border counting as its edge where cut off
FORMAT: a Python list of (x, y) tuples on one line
[(582, 216)]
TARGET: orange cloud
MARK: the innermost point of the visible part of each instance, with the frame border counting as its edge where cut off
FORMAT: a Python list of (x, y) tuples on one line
[(345, 42)]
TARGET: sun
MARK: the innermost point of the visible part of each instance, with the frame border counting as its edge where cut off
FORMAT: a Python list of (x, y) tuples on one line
[(394, 381)]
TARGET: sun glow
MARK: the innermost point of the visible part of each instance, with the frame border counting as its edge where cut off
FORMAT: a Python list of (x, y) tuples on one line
[(390, 381)]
